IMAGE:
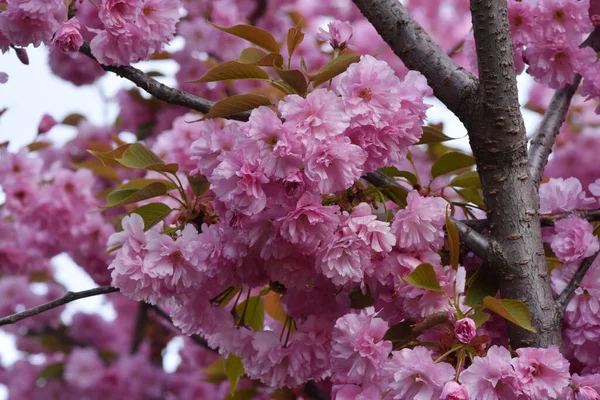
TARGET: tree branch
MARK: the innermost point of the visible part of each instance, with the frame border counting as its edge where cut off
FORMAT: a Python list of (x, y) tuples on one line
[(478, 243), (160, 91), (543, 141), (453, 85), (67, 298), (497, 135), (545, 219), (568, 292), (140, 326)]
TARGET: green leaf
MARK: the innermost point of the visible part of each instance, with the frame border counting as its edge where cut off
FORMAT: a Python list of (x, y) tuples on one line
[(479, 317), (333, 68), (109, 157), (52, 371), (481, 287), (453, 241), (514, 311), (471, 195), (294, 38), (424, 277), (467, 179), (236, 104), (255, 35), (393, 172), (121, 197), (143, 182), (138, 156), (401, 334), (233, 70), (294, 78), (152, 213), (396, 193), (99, 169), (234, 370), (255, 56), (451, 161), (255, 312), (73, 119), (432, 135), (199, 184)]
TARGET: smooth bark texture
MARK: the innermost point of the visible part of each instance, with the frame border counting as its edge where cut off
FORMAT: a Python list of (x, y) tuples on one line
[(497, 134), (452, 84)]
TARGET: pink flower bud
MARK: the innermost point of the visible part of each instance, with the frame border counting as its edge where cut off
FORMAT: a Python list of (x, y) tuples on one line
[(338, 36), (68, 38), (454, 391), (465, 330), (3, 77), (46, 123)]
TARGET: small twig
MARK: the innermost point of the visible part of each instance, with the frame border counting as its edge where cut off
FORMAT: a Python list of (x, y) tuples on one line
[(545, 219), (478, 243), (160, 91), (544, 139), (568, 292), (379, 179), (140, 325), (67, 298)]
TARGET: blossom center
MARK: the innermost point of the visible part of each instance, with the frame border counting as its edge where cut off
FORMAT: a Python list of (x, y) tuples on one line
[(365, 94)]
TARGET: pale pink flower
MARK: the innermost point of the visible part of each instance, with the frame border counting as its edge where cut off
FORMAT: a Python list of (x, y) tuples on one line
[(374, 233), (416, 376), (120, 50), (133, 233), (594, 188), (419, 226), (355, 392), (464, 330), (119, 16), (334, 165), (490, 377), (213, 142), (560, 195), (344, 258), (310, 223), (338, 34), (68, 37), (370, 90), (554, 64), (84, 368), (454, 391), (158, 18), (541, 372), (358, 350), (321, 115), (583, 388), (574, 239)]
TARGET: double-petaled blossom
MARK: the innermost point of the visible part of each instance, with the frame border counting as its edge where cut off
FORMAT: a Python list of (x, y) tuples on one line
[(68, 37), (359, 351), (541, 373), (338, 34), (573, 239), (492, 376)]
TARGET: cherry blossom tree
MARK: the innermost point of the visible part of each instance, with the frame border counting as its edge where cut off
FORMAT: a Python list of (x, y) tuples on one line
[(288, 212)]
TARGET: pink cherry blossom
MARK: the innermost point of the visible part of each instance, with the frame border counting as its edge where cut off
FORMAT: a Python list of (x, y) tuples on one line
[(84, 368), (338, 34), (47, 123), (560, 195), (541, 372), (419, 226), (464, 330), (355, 392), (321, 115), (574, 239), (358, 351), (454, 391), (490, 377), (416, 376), (374, 233), (68, 37)]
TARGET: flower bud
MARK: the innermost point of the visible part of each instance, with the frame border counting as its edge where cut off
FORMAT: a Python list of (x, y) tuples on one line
[(465, 330)]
